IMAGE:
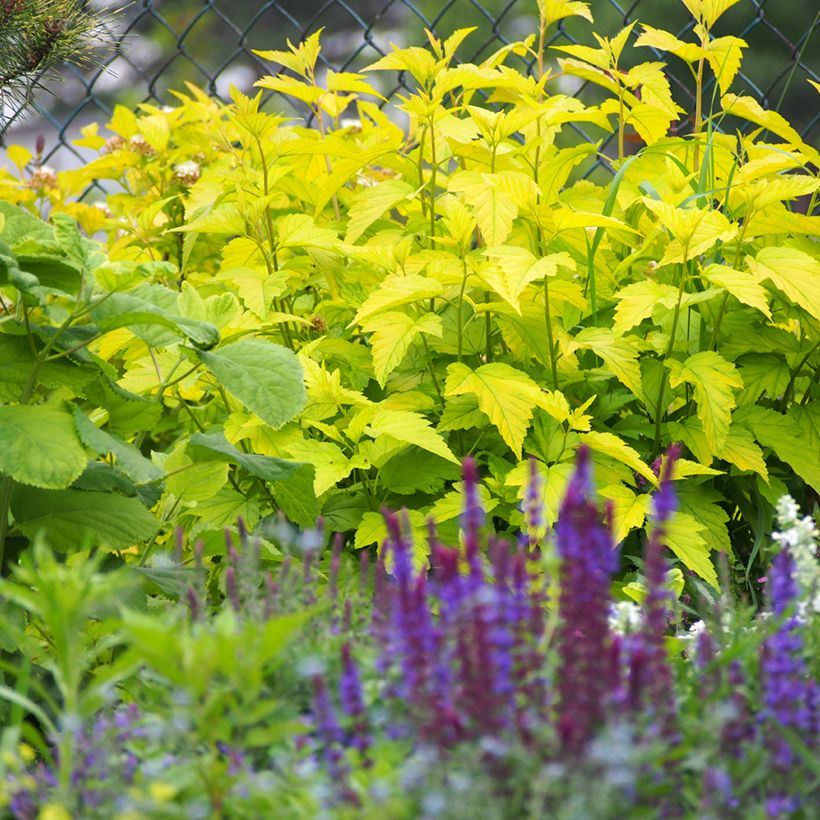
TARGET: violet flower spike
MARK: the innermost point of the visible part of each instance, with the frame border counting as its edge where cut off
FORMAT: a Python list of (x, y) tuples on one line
[(587, 561)]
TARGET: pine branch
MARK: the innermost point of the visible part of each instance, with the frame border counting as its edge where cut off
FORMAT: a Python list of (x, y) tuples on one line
[(36, 36)]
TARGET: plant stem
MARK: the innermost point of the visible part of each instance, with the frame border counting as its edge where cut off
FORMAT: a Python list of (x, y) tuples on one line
[(550, 338), (460, 305), (488, 331), (669, 348), (698, 110), (431, 368)]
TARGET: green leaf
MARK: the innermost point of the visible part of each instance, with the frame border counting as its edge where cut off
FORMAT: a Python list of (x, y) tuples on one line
[(193, 481), (762, 373), (39, 446), (127, 310), (295, 497), (265, 467), (411, 428), (398, 289), (370, 203), (794, 272), (505, 395), (714, 380), (70, 519), (343, 511), (461, 413), (784, 435), (701, 502), (17, 359), (620, 355), (129, 459), (415, 470), (128, 413), (264, 376), (19, 225)]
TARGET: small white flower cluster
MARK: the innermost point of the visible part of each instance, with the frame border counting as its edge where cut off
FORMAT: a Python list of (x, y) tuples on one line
[(188, 172), (624, 617), (798, 535)]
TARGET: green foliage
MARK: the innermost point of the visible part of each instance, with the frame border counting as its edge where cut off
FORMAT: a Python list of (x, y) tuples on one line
[(69, 471), (462, 287)]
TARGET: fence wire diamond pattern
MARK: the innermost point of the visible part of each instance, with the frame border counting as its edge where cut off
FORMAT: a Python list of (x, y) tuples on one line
[(161, 44)]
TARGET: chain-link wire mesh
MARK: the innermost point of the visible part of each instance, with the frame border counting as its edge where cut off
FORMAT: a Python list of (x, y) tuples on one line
[(159, 45)]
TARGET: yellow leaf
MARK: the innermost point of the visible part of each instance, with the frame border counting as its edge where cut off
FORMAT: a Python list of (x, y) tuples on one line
[(609, 444), (740, 449), (592, 56), (328, 460), (683, 537), (620, 355), (516, 268), (554, 480), (300, 231), (351, 83), (792, 271), (724, 55), (369, 204), (156, 131), (750, 109), (494, 210), (664, 41), (393, 334), (695, 230), (629, 509), (419, 62), (506, 395), (745, 287), (20, 156), (551, 11), (714, 380), (637, 301), (396, 290), (411, 428), (191, 481)]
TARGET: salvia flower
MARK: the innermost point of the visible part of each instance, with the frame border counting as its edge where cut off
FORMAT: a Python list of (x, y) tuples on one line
[(656, 607), (788, 690), (587, 561)]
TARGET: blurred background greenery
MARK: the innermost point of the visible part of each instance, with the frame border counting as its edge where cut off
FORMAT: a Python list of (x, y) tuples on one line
[(161, 44)]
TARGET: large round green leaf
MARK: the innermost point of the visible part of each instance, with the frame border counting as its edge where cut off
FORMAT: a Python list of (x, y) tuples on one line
[(265, 377), (40, 446), (72, 519)]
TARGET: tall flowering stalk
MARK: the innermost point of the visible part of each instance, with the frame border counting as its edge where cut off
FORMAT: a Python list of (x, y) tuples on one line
[(587, 562), (790, 695), (657, 679)]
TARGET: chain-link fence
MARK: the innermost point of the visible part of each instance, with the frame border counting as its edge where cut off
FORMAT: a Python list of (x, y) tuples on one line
[(159, 45)]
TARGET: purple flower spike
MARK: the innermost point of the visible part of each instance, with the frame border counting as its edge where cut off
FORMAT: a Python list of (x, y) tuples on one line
[(232, 589), (533, 507), (335, 563), (660, 683), (350, 693), (587, 561), (472, 519), (789, 692), (194, 604)]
